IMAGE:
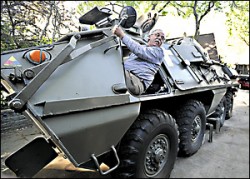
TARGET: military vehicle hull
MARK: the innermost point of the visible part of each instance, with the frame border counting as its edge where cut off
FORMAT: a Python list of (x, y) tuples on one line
[(77, 95)]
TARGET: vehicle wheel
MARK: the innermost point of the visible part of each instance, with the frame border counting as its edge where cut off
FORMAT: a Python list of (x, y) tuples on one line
[(220, 111), (149, 149), (191, 119), (229, 105)]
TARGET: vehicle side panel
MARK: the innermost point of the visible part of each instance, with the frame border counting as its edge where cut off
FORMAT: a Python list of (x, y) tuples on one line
[(92, 132)]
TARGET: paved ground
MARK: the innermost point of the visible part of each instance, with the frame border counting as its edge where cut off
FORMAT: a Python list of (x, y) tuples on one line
[(226, 157)]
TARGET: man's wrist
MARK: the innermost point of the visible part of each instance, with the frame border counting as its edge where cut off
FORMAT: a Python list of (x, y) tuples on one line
[(122, 35), (125, 39)]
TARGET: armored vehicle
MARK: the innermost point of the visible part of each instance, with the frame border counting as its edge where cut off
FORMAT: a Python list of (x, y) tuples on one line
[(74, 90)]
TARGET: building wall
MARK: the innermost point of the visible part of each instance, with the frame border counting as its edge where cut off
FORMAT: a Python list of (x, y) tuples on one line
[(13, 121), (242, 68)]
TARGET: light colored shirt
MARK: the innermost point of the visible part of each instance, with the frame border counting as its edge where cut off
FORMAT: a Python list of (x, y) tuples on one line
[(145, 61)]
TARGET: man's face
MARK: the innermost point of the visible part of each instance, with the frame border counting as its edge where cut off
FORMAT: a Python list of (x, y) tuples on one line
[(156, 39)]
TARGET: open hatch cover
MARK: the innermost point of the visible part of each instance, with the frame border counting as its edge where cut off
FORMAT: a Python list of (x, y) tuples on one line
[(93, 16)]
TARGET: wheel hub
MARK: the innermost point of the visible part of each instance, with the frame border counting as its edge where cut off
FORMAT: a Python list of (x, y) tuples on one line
[(222, 113), (157, 154), (196, 128)]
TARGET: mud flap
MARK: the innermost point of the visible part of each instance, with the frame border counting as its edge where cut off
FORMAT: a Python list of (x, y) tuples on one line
[(31, 158)]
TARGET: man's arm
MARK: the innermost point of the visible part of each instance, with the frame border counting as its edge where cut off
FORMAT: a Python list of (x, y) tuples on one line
[(151, 54)]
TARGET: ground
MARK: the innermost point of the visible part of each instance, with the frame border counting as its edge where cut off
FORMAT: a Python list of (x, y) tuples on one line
[(227, 156)]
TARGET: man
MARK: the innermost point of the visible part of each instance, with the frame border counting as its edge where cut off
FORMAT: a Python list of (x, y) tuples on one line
[(144, 62)]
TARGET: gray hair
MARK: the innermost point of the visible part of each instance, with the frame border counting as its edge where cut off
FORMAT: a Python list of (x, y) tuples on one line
[(152, 31)]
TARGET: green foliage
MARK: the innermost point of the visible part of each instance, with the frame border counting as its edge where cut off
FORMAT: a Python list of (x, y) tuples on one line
[(140, 6), (202, 6), (85, 6), (219, 6), (238, 20), (197, 9), (31, 23)]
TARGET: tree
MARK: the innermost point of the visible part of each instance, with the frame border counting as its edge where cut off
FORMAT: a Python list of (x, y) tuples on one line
[(238, 20), (199, 9), (141, 7), (30, 23), (115, 6)]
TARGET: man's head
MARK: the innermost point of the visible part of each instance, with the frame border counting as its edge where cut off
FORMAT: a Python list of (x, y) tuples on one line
[(156, 38)]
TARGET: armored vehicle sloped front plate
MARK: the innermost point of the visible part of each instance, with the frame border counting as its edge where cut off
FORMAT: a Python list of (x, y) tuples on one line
[(27, 161)]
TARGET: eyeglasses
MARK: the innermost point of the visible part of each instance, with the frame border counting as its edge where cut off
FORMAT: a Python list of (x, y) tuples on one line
[(160, 35)]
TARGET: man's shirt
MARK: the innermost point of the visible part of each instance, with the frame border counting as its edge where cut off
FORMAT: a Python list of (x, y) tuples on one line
[(144, 61)]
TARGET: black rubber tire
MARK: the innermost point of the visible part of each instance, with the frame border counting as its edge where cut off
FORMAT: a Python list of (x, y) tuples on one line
[(229, 104), (153, 137), (220, 111), (191, 119)]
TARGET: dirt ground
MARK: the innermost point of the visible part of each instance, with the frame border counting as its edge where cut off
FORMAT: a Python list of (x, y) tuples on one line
[(227, 156)]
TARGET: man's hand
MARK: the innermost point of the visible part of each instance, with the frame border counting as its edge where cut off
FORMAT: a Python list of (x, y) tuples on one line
[(118, 31)]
